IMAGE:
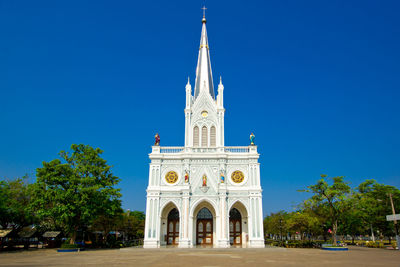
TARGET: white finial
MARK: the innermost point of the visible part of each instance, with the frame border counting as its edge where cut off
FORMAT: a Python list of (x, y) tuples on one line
[(220, 79), (188, 80)]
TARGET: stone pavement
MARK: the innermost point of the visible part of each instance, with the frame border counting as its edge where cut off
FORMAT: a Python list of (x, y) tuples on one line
[(205, 257)]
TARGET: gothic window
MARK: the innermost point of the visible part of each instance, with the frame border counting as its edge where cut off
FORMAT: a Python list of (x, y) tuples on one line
[(208, 227), (196, 136), (204, 213), (234, 214), (213, 137), (237, 226), (204, 136), (173, 214)]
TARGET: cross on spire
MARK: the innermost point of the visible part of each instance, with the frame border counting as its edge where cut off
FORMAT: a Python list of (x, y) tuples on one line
[(204, 11)]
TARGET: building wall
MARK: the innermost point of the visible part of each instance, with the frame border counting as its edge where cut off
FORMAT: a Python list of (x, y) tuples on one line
[(190, 197)]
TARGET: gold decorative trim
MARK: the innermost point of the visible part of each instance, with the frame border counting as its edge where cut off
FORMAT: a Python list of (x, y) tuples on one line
[(171, 177), (237, 177)]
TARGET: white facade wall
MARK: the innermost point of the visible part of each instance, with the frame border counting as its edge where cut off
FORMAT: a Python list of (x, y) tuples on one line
[(202, 110)]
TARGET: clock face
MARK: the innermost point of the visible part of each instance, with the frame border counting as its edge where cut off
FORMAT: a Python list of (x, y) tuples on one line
[(171, 177), (237, 177), (204, 114)]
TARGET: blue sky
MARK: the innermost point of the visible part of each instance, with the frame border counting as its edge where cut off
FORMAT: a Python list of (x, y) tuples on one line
[(316, 81)]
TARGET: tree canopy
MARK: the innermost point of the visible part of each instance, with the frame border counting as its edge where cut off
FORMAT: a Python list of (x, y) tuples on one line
[(73, 191)]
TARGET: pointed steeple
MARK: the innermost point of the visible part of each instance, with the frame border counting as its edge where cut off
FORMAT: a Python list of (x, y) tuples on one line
[(204, 79)]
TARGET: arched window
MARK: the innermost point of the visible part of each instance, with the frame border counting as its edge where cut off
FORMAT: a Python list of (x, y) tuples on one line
[(204, 137), (204, 213), (234, 214), (213, 137), (196, 136), (173, 214)]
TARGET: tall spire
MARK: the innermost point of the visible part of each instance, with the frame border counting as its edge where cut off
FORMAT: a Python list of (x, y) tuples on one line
[(204, 79)]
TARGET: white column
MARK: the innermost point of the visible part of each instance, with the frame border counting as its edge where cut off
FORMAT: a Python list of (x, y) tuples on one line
[(261, 218), (151, 236), (223, 240), (255, 228), (184, 240)]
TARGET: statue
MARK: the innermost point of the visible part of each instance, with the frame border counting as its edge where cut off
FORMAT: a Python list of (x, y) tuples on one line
[(222, 178), (252, 137), (204, 180), (157, 140), (186, 177)]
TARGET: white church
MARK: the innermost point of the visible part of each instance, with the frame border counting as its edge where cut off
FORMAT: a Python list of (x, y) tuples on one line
[(205, 193)]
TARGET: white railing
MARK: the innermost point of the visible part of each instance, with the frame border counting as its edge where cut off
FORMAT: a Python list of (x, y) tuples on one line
[(203, 149), (237, 149), (171, 149), (180, 149)]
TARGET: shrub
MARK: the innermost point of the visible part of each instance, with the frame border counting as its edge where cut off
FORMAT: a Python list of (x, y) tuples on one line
[(374, 244), (66, 245)]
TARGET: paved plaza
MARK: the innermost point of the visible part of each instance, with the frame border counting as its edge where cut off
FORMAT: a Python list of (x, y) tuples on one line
[(204, 257)]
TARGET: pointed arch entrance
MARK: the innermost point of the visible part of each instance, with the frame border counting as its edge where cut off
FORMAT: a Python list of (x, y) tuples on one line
[(238, 228), (173, 227), (235, 227), (170, 224), (204, 228)]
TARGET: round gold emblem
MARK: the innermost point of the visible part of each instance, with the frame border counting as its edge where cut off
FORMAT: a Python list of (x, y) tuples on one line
[(204, 114), (237, 177), (171, 177)]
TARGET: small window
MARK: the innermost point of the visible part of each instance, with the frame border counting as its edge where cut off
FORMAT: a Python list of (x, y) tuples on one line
[(204, 137), (196, 136), (213, 137)]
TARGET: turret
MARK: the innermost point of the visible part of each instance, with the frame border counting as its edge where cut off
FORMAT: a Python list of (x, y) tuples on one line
[(188, 94), (220, 97)]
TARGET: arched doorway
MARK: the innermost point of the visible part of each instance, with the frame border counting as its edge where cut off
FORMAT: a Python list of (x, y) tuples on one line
[(204, 228), (235, 227), (173, 227)]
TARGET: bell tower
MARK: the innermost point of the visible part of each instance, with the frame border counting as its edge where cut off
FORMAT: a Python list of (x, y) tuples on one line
[(204, 113)]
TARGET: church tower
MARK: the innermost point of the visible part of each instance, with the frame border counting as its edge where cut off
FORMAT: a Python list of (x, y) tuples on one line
[(204, 114), (204, 193)]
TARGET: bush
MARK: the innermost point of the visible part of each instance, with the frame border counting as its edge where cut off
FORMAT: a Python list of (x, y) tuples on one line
[(66, 245), (294, 243), (374, 244)]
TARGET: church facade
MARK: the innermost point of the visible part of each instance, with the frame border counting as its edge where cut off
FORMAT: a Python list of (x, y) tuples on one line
[(204, 193)]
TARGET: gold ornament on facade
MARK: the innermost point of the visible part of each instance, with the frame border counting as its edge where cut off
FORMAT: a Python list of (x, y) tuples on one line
[(237, 177), (171, 177)]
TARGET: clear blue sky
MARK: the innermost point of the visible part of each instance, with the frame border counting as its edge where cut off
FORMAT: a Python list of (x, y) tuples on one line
[(316, 81)]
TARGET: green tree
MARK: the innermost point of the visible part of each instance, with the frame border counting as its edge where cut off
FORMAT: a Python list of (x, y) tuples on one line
[(351, 221), (303, 223), (374, 205), (330, 196), (15, 197), (132, 224), (276, 224), (75, 190)]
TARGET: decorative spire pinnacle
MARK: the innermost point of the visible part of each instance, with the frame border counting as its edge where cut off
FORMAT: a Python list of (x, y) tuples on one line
[(204, 14), (188, 80), (203, 70)]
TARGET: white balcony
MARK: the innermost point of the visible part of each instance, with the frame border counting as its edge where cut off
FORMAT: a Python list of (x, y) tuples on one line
[(181, 149)]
